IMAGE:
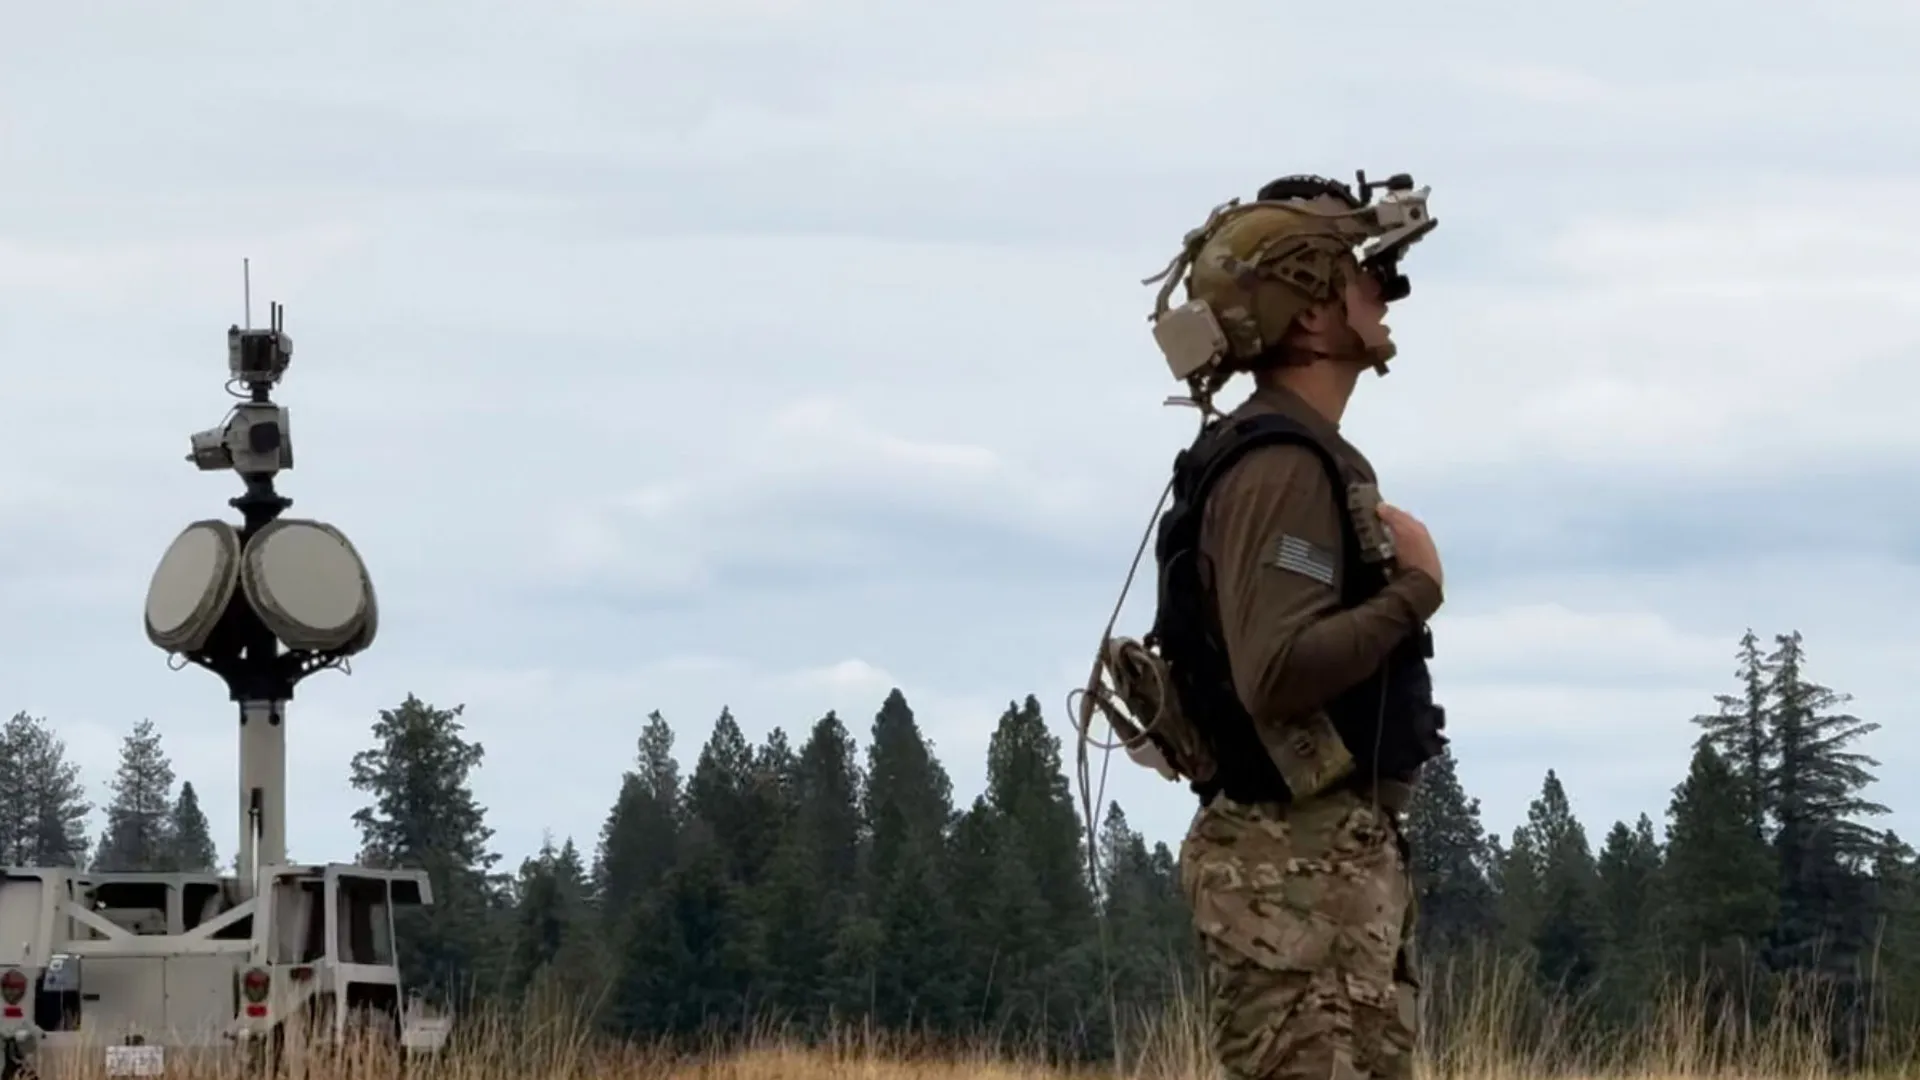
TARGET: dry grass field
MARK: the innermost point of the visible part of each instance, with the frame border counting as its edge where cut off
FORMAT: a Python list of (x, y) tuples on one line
[(1481, 1040)]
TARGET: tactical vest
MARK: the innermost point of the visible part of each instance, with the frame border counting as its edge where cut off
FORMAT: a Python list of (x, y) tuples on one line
[(1388, 721)]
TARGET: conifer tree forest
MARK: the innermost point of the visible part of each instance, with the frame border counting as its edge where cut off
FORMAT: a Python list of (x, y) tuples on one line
[(815, 883)]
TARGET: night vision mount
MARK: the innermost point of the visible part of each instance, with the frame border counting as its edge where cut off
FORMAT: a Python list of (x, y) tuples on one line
[(1394, 222), (268, 602), (1401, 215), (1378, 230)]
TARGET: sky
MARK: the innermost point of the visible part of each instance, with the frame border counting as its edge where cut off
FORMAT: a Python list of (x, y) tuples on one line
[(770, 355)]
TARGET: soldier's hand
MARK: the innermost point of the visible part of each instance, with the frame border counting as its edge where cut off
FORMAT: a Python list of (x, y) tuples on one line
[(1413, 544)]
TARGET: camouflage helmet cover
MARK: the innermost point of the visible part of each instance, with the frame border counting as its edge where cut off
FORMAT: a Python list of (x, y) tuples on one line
[(1264, 266), (1254, 268)]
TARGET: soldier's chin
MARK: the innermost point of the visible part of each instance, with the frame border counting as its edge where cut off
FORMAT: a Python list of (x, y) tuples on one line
[(1378, 355)]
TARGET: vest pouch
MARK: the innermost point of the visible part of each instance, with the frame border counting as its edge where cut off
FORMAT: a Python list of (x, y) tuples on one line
[(1143, 681), (1311, 756)]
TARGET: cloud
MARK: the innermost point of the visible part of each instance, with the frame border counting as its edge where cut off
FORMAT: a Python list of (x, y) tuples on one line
[(765, 355), (1567, 648), (93, 271)]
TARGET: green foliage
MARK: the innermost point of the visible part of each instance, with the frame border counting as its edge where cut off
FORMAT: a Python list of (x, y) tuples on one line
[(43, 803), (1454, 863), (1718, 888), (1743, 733), (829, 889), (189, 845), (553, 935), (424, 816), (638, 841), (136, 836), (1629, 869), (1570, 933)]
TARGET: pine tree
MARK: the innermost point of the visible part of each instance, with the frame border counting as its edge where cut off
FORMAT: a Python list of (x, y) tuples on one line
[(1742, 733), (811, 887), (692, 952), (778, 768), (1043, 918), (1003, 915), (916, 978), (637, 842), (1028, 791), (553, 944), (906, 955), (733, 795), (1716, 900), (827, 794), (771, 799), (43, 804), (424, 815), (1452, 862), (908, 793), (189, 843), (1822, 846), (1629, 867), (732, 791), (639, 847), (1138, 965), (1896, 880), (1518, 868), (1570, 937), (136, 836), (1173, 923)]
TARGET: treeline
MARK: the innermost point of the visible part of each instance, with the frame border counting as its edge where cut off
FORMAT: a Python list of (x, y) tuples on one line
[(821, 888), (810, 886), (44, 806), (1766, 897), (822, 885)]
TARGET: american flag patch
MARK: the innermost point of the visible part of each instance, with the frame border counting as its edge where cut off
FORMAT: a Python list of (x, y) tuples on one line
[(1304, 558)]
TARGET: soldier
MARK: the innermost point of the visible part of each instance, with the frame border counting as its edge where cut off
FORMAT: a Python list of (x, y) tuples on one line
[(1292, 629)]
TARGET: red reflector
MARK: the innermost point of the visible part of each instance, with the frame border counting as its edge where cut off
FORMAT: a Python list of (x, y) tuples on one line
[(14, 1012), (256, 1010)]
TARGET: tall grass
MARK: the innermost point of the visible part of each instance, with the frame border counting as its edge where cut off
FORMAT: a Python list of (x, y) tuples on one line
[(1484, 1019)]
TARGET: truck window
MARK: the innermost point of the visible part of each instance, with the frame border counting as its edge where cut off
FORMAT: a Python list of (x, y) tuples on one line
[(138, 906), (19, 916), (365, 932), (299, 921)]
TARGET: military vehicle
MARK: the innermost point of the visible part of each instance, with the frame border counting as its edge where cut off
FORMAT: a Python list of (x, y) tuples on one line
[(146, 970)]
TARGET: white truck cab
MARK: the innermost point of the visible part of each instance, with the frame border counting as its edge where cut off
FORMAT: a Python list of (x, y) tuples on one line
[(135, 968)]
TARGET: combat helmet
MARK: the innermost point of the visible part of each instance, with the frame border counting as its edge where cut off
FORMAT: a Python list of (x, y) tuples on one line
[(1254, 268)]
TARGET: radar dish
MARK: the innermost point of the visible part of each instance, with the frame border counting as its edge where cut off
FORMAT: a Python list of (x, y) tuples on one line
[(308, 585), (371, 624), (191, 586)]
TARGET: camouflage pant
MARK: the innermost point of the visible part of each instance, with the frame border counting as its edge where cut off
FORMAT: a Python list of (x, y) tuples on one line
[(1305, 915)]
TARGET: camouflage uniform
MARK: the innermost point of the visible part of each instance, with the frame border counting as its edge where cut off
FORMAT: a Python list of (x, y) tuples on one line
[(1304, 908), (1302, 913)]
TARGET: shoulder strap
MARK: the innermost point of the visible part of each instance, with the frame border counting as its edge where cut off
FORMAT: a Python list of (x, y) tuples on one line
[(1219, 450)]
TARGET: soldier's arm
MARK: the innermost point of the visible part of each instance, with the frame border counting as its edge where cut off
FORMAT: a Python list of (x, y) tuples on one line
[(1272, 537)]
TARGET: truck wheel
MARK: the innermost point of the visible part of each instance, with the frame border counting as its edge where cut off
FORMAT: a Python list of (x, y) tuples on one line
[(15, 1065), (265, 1055)]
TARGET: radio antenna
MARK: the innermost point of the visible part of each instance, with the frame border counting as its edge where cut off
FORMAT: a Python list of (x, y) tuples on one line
[(246, 292)]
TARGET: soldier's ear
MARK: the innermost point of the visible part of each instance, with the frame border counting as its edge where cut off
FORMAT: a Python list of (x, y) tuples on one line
[(1319, 319)]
